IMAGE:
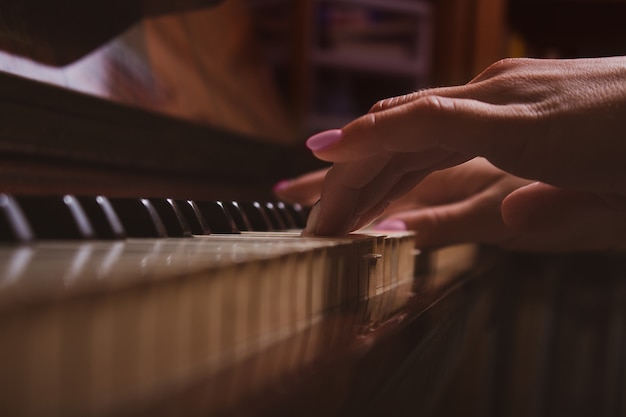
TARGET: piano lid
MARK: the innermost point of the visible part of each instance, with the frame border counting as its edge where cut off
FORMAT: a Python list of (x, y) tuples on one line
[(177, 101), (202, 65), (60, 32)]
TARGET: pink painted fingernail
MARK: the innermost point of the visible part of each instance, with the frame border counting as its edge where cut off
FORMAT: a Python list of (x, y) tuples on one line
[(392, 225), (323, 140), (281, 185)]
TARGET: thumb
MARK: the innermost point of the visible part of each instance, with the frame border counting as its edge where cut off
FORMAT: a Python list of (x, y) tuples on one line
[(539, 206), (473, 220), (554, 218)]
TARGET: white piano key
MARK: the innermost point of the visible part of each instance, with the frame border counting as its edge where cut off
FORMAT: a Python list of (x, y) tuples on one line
[(148, 315)]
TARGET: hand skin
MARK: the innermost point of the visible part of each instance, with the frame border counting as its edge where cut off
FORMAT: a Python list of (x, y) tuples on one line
[(561, 122), (465, 204)]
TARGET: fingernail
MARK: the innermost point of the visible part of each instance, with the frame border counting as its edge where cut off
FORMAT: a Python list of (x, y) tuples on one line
[(323, 140), (391, 225), (311, 222), (281, 185)]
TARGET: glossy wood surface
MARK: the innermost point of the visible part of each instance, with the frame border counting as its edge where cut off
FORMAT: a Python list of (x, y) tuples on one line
[(201, 66), (57, 141), (177, 105), (58, 33)]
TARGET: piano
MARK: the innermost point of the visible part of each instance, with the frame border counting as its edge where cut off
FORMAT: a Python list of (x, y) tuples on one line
[(146, 268)]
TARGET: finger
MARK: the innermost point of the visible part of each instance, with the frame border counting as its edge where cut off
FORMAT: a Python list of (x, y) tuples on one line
[(474, 220), (347, 202), (589, 227), (493, 85), (462, 91), (488, 87), (340, 196), (553, 219), (304, 190), (540, 206), (463, 126), (335, 209), (405, 184), (378, 196), (400, 175)]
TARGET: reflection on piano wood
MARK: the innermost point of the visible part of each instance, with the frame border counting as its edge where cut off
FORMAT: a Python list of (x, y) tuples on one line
[(100, 327)]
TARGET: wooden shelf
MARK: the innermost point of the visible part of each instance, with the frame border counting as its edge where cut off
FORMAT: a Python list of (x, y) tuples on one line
[(410, 6), (385, 40), (387, 63)]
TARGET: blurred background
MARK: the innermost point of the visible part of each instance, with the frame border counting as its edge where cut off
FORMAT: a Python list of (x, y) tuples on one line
[(279, 70), (333, 59)]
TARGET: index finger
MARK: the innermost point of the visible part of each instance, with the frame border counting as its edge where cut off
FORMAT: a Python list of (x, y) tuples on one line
[(467, 126)]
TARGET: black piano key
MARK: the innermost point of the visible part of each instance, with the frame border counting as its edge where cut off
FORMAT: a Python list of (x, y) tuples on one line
[(257, 216), (274, 216), (13, 224), (240, 218), (195, 219), (139, 217), (299, 214), (175, 223), (56, 217), (285, 214), (218, 218), (101, 214)]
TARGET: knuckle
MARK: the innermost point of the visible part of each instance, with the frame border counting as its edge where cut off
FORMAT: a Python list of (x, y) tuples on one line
[(370, 121), (500, 67), (505, 64), (364, 125), (379, 105), (433, 103), (390, 102), (436, 104)]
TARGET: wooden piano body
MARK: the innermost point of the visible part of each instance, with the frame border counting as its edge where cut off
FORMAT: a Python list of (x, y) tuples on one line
[(176, 331)]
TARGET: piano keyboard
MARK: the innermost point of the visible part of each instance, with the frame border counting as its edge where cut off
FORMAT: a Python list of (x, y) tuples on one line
[(28, 218), (107, 304)]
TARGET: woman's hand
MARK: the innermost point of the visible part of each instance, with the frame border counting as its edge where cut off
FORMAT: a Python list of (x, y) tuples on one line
[(562, 122), (477, 202)]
